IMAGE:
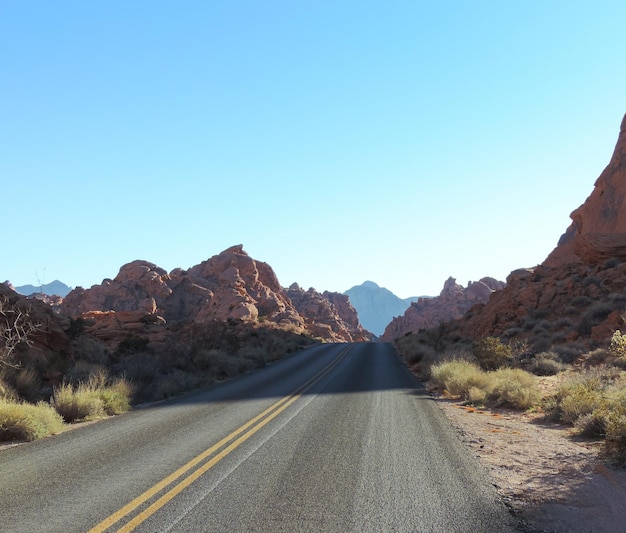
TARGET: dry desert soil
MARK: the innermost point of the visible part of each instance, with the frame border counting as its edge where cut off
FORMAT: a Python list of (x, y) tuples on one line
[(550, 479)]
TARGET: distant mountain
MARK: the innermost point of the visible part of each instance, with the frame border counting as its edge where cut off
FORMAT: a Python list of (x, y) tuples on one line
[(55, 287), (377, 306)]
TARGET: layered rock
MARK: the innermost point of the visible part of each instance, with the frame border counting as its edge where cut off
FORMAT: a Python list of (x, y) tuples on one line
[(452, 303)]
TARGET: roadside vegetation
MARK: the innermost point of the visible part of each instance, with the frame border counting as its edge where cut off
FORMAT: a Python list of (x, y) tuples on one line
[(41, 396), (588, 392)]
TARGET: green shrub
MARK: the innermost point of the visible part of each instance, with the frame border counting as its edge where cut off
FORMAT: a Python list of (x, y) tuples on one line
[(23, 421), (491, 353)]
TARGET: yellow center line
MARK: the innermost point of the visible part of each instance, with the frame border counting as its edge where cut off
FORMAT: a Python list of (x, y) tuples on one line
[(169, 495), (277, 407)]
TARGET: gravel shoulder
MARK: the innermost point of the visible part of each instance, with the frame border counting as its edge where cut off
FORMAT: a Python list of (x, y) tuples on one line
[(553, 481)]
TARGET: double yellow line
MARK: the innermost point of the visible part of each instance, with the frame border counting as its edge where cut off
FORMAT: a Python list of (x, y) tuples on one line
[(223, 448)]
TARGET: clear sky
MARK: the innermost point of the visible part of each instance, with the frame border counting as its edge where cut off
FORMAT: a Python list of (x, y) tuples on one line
[(401, 142)]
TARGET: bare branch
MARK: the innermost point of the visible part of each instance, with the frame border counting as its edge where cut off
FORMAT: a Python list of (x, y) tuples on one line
[(16, 328)]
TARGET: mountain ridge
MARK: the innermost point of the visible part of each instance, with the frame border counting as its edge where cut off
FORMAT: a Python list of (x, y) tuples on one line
[(377, 306)]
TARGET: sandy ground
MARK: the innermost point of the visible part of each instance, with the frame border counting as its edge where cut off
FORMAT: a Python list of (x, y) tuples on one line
[(553, 481)]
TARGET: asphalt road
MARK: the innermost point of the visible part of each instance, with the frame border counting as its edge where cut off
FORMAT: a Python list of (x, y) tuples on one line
[(336, 438)]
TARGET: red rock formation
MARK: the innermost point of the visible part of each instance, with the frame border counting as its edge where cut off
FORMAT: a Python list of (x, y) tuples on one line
[(598, 228), (452, 303), (577, 294), (228, 286), (329, 315)]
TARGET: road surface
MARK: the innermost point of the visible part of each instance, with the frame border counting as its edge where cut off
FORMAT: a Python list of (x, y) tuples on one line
[(337, 438)]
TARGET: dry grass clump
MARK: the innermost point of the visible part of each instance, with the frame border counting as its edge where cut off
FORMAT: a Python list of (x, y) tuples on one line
[(505, 387), (93, 399), (24, 421)]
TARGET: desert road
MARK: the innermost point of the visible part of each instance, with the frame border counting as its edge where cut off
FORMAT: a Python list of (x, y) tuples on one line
[(336, 438)]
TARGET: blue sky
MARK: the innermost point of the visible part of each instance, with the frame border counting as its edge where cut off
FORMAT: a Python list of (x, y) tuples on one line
[(400, 142)]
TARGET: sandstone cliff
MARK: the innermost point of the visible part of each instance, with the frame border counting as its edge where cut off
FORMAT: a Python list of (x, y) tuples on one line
[(577, 296), (598, 228), (452, 303)]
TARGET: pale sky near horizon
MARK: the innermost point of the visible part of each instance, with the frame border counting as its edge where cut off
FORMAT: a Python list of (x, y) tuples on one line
[(400, 142)]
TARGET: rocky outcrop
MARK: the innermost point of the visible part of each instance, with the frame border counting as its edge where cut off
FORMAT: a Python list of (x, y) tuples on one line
[(578, 294), (231, 286), (452, 303), (598, 228), (329, 315)]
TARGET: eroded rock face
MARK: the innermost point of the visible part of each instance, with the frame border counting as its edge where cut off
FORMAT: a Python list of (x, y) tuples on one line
[(578, 293), (329, 315), (143, 299), (452, 303), (598, 228)]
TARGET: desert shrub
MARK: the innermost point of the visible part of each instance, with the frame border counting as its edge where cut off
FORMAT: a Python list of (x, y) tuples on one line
[(132, 345), (93, 399), (6, 391), (512, 387), (571, 310), (171, 384), (582, 394), (563, 323), (593, 316), (591, 280), (569, 352), (76, 404), (612, 262), (507, 387), (512, 332), (581, 301), (221, 364), (542, 342), (28, 384), (24, 421), (457, 377), (491, 353), (116, 396), (597, 357), (546, 364), (615, 445), (82, 371), (593, 424), (255, 356), (141, 368), (617, 347), (88, 349)]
